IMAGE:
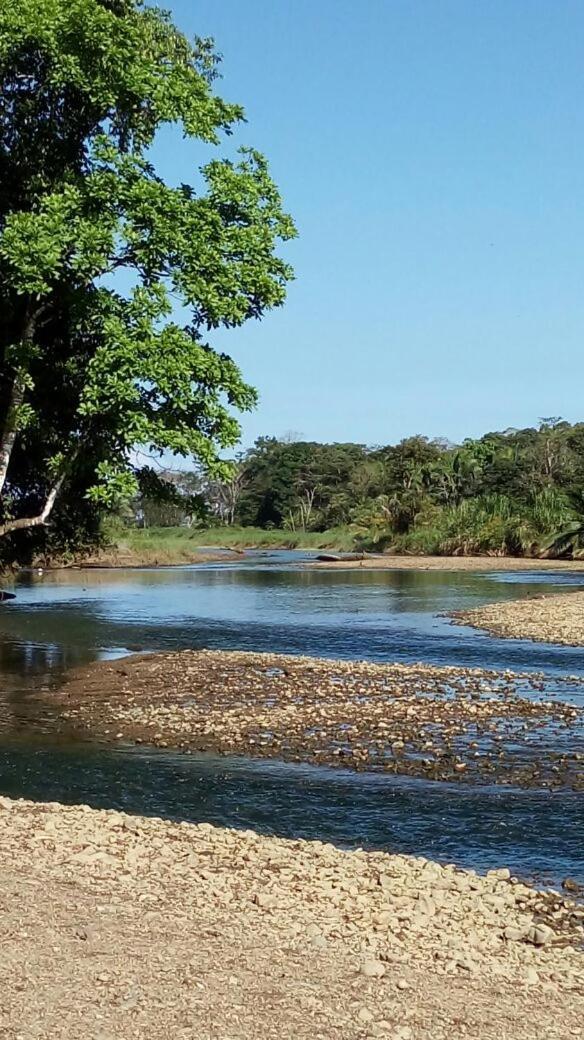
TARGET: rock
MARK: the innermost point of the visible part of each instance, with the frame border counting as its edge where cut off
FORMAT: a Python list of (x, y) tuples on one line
[(372, 969), (540, 934), (264, 900), (365, 1015), (531, 977), (570, 885), (501, 874), (386, 882), (402, 984), (319, 942), (515, 934)]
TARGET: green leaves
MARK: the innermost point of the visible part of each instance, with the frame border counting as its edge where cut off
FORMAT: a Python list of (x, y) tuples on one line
[(124, 61), (96, 251)]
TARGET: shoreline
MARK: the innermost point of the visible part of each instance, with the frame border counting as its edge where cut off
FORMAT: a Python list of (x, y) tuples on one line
[(119, 560), (122, 558), (452, 563), (153, 558), (148, 929), (435, 723), (554, 618)]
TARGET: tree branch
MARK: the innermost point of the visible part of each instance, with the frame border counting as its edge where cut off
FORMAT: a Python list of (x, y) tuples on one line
[(26, 522), (35, 521), (16, 396), (10, 426)]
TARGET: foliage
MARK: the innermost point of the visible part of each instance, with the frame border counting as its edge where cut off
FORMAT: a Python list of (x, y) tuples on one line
[(96, 250), (520, 492)]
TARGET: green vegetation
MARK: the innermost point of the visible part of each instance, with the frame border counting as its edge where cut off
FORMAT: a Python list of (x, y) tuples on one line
[(96, 254), (519, 493), (177, 541)]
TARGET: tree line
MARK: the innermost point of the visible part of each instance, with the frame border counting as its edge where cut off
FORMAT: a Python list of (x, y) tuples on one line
[(517, 492)]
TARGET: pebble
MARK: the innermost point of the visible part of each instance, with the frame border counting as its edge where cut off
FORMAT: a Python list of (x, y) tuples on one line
[(540, 934), (501, 874), (531, 977), (365, 714), (372, 969)]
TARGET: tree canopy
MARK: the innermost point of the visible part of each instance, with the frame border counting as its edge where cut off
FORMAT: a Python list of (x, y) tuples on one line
[(97, 254), (512, 492)]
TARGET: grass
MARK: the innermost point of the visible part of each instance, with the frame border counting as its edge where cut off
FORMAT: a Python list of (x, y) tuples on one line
[(181, 544)]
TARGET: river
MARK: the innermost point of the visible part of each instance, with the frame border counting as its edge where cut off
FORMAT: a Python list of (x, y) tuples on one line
[(273, 602)]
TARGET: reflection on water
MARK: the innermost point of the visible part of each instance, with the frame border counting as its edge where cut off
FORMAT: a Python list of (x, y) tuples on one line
[(68, 618), (388, 615), (534, 833)]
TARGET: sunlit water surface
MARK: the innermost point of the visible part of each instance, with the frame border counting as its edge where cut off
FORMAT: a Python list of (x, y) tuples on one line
[(272, 602)]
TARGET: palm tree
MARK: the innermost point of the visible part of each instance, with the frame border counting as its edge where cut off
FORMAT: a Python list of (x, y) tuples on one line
[(567, 542)]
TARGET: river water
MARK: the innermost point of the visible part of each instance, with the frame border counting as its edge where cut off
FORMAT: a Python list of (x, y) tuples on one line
[(273, 602)]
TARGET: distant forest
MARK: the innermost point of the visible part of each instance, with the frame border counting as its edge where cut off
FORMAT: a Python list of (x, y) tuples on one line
[(517, 492)]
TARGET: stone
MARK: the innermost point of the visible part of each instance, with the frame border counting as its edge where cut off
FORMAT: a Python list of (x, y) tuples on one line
[(540, 934), (365, 1015), (319, 942), (264, 900), (501, 874), (514, 934), (372, 969)]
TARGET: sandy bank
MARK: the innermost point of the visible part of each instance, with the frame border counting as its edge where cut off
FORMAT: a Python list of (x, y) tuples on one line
[(557, 618), (453, 563), (414, 720), (155, 557), (138, 929)]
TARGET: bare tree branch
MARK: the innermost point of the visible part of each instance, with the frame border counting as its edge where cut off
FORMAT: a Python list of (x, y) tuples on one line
[(10, 430), (16, 395), (25, 522)]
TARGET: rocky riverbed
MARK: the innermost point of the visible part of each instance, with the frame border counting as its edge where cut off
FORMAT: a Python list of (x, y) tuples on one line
[(557, 618), (135, 928), (460, 724)]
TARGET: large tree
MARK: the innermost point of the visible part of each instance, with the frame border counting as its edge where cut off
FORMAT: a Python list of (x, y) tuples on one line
[(98, 254)]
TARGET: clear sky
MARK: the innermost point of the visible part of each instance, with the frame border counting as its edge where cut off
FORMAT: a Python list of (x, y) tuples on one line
[(432, 155)]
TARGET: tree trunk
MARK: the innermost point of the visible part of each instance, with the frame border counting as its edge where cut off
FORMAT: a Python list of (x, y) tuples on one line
[(10, 427), (17, 391)]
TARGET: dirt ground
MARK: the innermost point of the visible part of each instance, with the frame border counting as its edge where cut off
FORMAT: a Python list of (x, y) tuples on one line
[(557, 618), (126, 928)]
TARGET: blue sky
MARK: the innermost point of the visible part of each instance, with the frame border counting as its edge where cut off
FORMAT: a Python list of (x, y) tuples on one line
[(432, 155)]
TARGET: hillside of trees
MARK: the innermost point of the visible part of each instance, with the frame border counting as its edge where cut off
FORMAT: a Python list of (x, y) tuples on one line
[(515, 492)]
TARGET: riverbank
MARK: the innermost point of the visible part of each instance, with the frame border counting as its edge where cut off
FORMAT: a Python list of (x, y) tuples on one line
[(122, 556), (177, 540), (554, 618), (138, 928), (468, 725), (175, 545), (453, 563)]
